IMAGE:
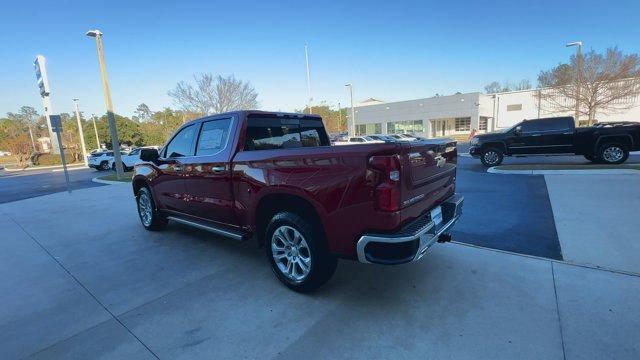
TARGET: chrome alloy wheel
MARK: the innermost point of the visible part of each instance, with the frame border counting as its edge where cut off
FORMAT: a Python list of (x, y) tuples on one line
[(612, 154), (491, 157), (145, 209), (291, 253)]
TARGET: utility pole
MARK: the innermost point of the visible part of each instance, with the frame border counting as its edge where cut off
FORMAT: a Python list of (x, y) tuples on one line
[(95, 128), (107, 100), (578, 74), (352, 125), (339, 116), (84, 148), (306, 56)]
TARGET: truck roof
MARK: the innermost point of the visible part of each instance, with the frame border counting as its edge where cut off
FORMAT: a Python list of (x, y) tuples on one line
[(245, 113)]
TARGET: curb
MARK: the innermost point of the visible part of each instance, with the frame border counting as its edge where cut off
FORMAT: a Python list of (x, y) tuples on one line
[(493, 170), (108, 182), (70, 167)]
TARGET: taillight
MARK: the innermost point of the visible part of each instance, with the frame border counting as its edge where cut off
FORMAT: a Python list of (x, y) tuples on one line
[(387, 192)]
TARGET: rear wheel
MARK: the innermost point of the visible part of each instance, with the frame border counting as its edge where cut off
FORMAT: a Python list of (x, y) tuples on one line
[(613, 153), (104, 165), (151, 218), (491, 157), (298, 253)]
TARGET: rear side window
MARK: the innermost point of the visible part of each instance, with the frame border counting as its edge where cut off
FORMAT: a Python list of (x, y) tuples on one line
[(267, 133), (214, 136), (182, 144)]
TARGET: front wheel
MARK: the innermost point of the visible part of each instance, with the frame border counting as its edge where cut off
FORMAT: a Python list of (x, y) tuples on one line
[(151, 218), (491, 157), (104, 165), (613, 153), (298, 253)]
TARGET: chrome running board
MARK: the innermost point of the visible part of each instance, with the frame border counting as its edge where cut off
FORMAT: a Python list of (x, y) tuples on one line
[(218, 231)]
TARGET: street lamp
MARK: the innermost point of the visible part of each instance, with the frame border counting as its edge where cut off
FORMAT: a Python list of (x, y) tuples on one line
[(84, 148), (352, 126), (107, 100), (578, 69)]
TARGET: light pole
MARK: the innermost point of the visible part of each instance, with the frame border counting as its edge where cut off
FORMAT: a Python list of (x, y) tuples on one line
[(352, 126), (578, 72), (306, 57), (95, 128), (107, 100), (84, 148)]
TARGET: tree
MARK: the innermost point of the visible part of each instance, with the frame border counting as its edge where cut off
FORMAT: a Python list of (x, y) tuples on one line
[(496, 87), (14, 139), (599, 83), (142, 113), (493, 87), (330, 117), (214, 94)]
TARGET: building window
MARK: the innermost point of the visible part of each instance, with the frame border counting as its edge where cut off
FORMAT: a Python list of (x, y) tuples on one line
[(463, 124), (361, 129), (514, 107), (483, 123), (405, 127)]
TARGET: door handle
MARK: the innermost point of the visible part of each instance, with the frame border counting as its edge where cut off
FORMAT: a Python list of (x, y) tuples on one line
[(536, 134)]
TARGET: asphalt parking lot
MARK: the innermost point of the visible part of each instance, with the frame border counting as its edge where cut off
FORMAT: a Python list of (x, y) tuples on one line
[(100, 286)]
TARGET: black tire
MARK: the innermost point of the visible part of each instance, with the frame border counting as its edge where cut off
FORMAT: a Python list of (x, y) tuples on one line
[(158, 220), (104, 165), (613, 153), (491, 157), (322, 263), (591, 157)]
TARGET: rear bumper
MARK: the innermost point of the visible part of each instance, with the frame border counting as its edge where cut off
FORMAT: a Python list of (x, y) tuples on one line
[(412, 241)]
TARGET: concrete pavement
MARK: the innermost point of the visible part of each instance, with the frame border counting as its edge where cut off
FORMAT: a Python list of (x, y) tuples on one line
[(597, 219), (100, 286)]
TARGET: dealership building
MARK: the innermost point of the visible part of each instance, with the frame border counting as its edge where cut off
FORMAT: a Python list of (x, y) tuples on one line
[(457, 115)]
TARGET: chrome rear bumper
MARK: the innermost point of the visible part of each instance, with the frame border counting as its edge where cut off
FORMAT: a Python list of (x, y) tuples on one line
[(412, 241)]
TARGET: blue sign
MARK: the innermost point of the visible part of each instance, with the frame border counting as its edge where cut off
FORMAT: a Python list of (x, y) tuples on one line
[(56, 123)]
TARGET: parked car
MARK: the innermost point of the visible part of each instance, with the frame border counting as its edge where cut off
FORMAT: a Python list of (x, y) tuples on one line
[(359, 140), (5, 153), (383, 138), (101, 160), (273, 177), (403, 137), (607, 143), (130, 159)]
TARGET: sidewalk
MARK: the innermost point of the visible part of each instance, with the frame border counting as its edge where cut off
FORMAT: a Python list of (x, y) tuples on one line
[(118, 291)]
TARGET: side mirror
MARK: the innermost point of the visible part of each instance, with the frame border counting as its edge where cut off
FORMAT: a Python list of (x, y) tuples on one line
[(518, 131), (150, 155)]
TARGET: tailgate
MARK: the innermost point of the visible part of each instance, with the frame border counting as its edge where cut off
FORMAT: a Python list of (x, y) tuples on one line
[(428, 171)]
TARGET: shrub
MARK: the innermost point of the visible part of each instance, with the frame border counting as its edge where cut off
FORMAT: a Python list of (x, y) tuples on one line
[(52, 159)]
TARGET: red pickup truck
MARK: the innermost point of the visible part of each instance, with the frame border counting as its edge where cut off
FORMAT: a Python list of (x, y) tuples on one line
[(275, 178)]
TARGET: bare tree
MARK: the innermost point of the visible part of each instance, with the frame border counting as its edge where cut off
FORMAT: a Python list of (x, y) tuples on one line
[(606, 83), (214, 94), (496, 87)]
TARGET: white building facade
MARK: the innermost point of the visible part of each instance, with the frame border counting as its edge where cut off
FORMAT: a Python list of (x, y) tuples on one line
[(456, 115)]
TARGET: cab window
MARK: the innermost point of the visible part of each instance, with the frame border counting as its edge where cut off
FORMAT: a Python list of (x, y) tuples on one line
[(181, 144), (213, 137)]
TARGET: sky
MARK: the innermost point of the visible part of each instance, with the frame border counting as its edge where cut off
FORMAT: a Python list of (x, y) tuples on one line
[(389, 50)]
